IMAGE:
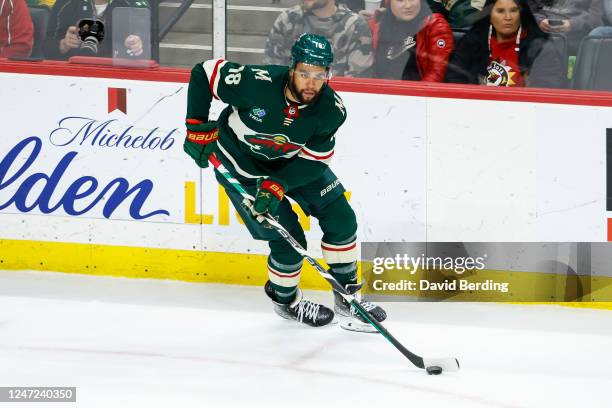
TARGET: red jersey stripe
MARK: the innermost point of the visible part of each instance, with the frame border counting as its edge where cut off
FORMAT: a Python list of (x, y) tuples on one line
[(317, 157)]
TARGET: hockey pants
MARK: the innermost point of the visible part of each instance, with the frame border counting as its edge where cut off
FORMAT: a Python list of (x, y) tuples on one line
[(323, 199)]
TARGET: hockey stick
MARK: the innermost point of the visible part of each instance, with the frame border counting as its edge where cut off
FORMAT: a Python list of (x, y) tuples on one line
[(432, 365)]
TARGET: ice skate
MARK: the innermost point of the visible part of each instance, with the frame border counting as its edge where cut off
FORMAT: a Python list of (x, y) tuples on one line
[(349, 318), (300, 309)]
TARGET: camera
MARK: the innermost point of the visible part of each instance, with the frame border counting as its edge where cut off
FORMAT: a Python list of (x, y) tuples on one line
[(91, 33)]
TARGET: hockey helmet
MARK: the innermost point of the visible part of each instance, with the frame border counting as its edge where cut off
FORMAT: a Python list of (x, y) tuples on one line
[(312, 49)]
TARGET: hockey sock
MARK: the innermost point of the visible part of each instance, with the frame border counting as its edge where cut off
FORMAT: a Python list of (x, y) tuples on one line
[(284, 279), (342, 259), (283, 294), (344, 273)]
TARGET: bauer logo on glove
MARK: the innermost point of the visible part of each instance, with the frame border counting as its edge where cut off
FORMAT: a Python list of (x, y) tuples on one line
[(270, 192), (200, 132), (274, 188), (203, 138), (200, 141)]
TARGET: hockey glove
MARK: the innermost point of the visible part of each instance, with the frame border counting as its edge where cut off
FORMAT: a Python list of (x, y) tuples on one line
[(201, 140), (270, 192)]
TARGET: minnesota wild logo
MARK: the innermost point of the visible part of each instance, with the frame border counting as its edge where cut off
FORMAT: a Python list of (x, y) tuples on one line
[(272, 146)]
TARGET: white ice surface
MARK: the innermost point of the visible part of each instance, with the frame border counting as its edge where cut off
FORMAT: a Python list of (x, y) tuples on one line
[(148, 343)]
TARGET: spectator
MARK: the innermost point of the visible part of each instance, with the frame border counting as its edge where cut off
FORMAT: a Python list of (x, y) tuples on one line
[(410, 42), (605, 31), (63, 39), (348, 33), (572, 18), (506, 48), (459, 13), (16, 30)]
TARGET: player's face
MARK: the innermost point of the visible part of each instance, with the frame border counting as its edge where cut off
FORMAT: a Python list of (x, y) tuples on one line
[(315, 4), (306, 81), (405, 10), (506, 18)]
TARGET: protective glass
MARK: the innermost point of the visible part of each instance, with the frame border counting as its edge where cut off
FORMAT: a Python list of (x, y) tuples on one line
[(131, 35)]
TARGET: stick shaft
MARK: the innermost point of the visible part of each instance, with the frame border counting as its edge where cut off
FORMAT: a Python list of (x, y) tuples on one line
[(415, 359)]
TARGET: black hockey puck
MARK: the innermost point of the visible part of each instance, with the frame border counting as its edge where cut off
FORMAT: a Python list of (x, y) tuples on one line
[(434, 370)]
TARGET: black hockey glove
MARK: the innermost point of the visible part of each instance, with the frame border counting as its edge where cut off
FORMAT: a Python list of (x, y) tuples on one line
[(201, 140)]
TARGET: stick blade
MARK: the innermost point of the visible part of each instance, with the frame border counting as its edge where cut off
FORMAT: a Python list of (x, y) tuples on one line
[(447, 364)]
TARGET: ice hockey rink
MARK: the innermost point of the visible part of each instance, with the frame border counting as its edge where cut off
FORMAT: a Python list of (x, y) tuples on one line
[(151, 343)]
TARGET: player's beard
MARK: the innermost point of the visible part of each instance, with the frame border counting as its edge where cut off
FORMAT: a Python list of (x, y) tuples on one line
[(299, 95)]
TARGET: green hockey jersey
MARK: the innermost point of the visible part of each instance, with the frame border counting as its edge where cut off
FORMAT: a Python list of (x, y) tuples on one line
[(260, 132)]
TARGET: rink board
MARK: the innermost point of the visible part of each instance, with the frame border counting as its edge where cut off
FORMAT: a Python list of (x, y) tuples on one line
[(94, 179)]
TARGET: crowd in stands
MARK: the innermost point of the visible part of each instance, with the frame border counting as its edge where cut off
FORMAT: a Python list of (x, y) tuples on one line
[(487, 42)]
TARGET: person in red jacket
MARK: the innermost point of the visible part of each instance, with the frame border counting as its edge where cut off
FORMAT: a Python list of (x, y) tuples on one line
[(410, 42), (16, 30)]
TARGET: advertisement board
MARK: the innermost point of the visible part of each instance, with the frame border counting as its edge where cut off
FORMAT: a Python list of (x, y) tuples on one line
[(98, 162)]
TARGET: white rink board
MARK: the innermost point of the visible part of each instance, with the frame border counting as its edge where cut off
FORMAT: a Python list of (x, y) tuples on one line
[(417, 168), (516, 171)]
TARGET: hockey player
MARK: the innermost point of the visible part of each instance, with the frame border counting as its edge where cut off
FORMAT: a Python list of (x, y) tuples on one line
[(276, 137)]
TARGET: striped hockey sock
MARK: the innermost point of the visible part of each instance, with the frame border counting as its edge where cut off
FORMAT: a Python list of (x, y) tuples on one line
[(344, 273), (342, 259), (284, 279)]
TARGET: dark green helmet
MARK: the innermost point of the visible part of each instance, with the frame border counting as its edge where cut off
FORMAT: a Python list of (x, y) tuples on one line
[(312, 49)]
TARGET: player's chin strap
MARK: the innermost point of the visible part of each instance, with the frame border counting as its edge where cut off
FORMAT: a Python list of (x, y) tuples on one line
[(448, 364)]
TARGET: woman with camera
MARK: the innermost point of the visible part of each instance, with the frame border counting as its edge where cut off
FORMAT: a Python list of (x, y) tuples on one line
[(84, 27)]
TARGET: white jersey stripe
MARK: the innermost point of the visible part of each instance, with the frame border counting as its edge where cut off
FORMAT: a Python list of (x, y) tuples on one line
[(213, 72), (234, 163)]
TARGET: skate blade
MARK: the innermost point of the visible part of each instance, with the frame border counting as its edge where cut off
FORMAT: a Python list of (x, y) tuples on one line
[(354, 324)]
